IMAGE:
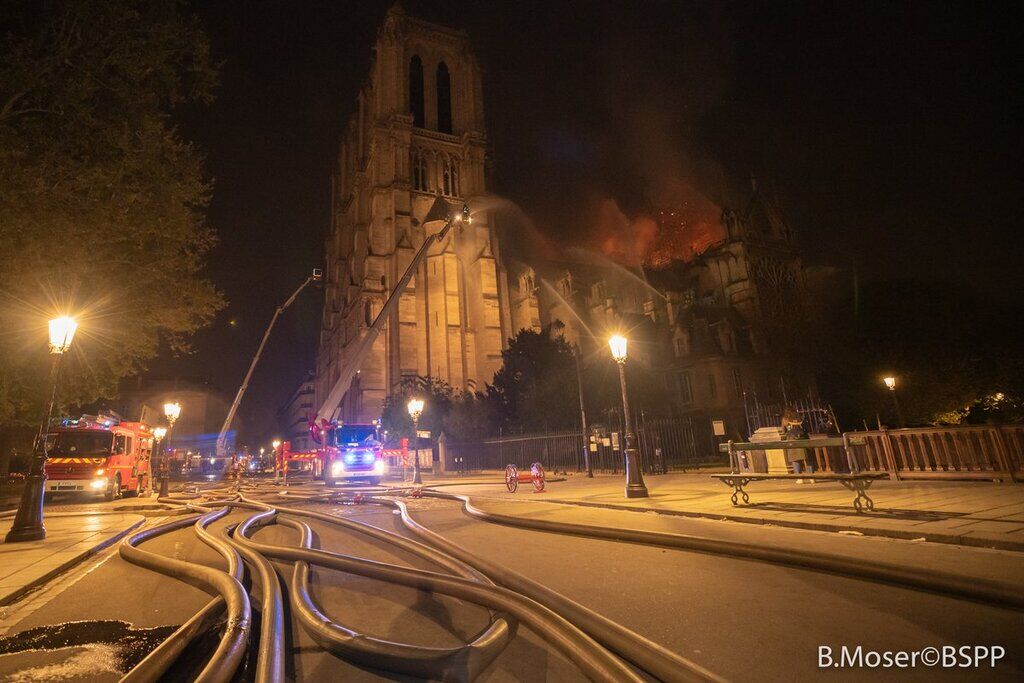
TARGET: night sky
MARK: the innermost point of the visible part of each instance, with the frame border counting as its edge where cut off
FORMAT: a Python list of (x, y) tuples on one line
[(884, 129)]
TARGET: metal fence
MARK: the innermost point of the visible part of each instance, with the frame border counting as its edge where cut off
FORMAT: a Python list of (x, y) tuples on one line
[(969, 452), (663, 444)]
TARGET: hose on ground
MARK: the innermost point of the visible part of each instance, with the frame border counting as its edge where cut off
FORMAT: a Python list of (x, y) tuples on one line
[(928, 580), (648, 655), (579, 648), (231, 649)]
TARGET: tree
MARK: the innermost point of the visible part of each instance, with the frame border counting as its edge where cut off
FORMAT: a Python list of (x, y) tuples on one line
[(437, 398), (101, 201), (536, 389)]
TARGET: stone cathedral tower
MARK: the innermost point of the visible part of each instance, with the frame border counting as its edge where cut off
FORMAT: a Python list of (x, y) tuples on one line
[(418, 131)]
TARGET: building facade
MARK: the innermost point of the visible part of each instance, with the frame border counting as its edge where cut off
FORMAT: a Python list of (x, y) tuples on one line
[(716, 325), (417, 132), (293, 417)]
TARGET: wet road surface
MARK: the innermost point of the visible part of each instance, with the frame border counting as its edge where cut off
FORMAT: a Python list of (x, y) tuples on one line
[(741, 619)]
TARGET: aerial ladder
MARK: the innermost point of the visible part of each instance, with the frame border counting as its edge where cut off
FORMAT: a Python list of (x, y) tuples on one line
[(440, 211), (222, 438)]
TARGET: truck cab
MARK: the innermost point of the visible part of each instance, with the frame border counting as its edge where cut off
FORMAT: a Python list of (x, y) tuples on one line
[(98, 455), (353, 452)]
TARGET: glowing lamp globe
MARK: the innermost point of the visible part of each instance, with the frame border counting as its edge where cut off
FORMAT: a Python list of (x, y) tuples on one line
[(159, 432), (62, 331), (415, 407), (172, 411), (890, 382), (618, 347)]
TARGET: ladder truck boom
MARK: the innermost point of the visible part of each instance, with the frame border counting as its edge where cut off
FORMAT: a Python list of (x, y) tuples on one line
[(222, 438), (440, 210)]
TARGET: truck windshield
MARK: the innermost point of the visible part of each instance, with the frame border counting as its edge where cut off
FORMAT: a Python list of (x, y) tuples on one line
[(80, 444), (362, 434)]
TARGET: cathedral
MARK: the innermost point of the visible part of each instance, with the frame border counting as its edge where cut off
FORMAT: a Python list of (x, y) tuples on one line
[(417, 133)]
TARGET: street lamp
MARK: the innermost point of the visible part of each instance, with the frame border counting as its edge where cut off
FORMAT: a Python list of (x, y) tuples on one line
[(172, 410), (635, 487), (415, 407), (890, 382), (28, 523), (158, 436), (583, 413)]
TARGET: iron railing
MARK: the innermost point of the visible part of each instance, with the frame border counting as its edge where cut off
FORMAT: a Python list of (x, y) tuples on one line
[(968, 452), (663, 444)]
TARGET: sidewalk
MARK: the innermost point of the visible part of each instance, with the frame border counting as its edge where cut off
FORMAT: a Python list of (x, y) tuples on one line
[(70, 538), (981, 514)]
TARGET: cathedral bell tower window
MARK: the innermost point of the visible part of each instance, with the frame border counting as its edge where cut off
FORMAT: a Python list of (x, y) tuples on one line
[(450, 177), (416, 104), (444, 99), (419, 171)]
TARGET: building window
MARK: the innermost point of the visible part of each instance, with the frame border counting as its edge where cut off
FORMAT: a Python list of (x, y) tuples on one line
[(712, 388), (419, 171), (450, 177), (685, 391), (416, 90), (737, 380), (444, 99), (681, 344)]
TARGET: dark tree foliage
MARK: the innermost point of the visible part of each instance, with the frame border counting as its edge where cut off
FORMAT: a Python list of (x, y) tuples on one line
[(101, 201), (437, 396), (536, 390)]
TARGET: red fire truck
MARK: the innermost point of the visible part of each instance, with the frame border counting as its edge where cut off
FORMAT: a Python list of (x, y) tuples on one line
[(351, 452), (98, 454)]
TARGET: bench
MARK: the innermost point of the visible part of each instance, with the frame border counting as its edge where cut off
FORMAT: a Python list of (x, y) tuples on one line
[(856, 481)]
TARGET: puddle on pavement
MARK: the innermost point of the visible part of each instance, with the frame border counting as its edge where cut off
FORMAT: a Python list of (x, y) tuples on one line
[(127, 645)]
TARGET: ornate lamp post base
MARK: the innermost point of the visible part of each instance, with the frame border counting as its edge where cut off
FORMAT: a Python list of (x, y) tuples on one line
[(636, 490), (28, 524)]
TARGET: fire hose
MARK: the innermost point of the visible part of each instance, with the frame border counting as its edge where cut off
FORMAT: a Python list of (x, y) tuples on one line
[(928, 580), (468, 584), (579, 648)]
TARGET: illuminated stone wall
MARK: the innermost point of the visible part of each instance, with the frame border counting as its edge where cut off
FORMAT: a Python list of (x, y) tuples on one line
[(454, 318)]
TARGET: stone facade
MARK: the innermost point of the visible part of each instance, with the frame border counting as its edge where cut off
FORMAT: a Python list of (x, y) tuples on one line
[(293, 417), (715, 325), (418, 131)]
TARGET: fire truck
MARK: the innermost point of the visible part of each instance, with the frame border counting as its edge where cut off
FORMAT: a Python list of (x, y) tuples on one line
[(349, 452), (99, 455)]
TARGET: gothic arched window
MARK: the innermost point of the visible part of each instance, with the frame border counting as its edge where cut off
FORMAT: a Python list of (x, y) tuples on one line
[(419, 171), (444, 99), (450, 176), (416, 105)]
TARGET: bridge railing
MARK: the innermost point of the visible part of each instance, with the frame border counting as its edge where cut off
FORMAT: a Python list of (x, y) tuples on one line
[(967, 452)]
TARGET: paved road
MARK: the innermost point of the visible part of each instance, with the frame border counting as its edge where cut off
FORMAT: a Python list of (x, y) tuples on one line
[(741, 619)]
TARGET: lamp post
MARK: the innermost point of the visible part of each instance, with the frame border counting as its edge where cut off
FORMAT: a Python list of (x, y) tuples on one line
[(635, 487), (171, 411), (28, 522), (158, 436), (415, 407), (890, 382), (583, 414), (280, 467)]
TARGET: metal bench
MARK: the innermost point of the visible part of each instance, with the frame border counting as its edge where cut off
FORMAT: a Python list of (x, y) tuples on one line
[(856, 481)]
